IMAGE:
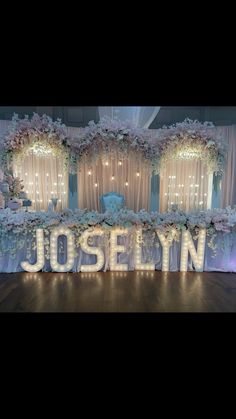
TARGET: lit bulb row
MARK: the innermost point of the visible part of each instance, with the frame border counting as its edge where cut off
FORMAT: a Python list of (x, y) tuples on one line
[(115, 248), (92, 251), (166, 244), (40, 254), (138, 254), (58, 267)]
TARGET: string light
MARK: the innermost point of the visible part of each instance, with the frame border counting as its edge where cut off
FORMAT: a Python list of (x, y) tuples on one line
[(120, 163), (89, 172), (96, 185), (59, 231), (92, 251), (26, 174), (47, 174), (138, 174), (28, 267), (126, 184), (115, 248), (113, 177), (106, 163), (36, 174), (187, 245)]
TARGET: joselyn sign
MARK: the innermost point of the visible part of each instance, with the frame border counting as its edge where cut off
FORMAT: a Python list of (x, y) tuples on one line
[(187, 247)]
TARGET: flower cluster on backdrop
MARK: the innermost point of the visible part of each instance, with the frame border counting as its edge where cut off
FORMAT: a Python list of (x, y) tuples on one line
[(97, 140), (185, 140), (39, 134), (192, 140)]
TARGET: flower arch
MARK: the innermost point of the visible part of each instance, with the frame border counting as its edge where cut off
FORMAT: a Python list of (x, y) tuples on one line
[(192, 140), (107, 136), (40, 135)]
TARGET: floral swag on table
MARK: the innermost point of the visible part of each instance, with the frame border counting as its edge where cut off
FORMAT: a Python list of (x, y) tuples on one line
[(192, 140), (40, 135), (22, 226)]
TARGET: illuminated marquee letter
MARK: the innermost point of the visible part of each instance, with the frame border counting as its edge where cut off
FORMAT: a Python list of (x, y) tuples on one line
[(138, 254), (188, 246), (166, 243), (115, 248), (40, 254), (92, 251), (61, 231)]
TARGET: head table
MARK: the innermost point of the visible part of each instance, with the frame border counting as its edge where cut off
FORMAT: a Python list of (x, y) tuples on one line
[(82, 240)]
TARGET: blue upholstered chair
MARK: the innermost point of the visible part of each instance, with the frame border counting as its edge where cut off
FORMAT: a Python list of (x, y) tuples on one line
[(112, 201)]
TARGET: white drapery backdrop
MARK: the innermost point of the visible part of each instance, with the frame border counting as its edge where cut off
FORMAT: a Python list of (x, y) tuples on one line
[(140, 116), (228, 182), (228, 185), (43, 178), (127, 176), (185, 183)]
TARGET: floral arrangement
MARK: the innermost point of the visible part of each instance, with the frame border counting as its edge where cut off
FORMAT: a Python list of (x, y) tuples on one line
[(40, 135), (192, 139), (96, 140), (15, 185), (22, 224)]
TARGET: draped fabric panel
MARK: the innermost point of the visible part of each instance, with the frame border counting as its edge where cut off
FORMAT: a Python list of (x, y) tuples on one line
[(228, 185), (44, 178), (129, 177), (185, 183), (140, 116)]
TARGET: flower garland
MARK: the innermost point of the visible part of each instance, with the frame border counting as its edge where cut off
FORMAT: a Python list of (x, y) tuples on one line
[(40, 135), (108, 136), (192, 140)]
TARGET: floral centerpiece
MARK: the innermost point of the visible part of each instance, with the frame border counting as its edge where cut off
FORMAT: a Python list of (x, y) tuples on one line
[(192, 140), (40, 135)]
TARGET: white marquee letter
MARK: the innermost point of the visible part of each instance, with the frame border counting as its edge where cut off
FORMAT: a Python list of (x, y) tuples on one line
[(138, 254), (166, 243), (188, 246), (92, 251), (40, 254), (59, 231), (115, 248)]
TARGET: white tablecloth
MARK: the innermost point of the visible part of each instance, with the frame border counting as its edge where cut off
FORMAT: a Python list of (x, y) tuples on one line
[(223, 261)]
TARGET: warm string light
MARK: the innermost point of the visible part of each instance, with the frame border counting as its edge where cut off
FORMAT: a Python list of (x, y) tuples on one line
[(38, 266), (61, 231), (115, 248), (187, 245), (92, 250)]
